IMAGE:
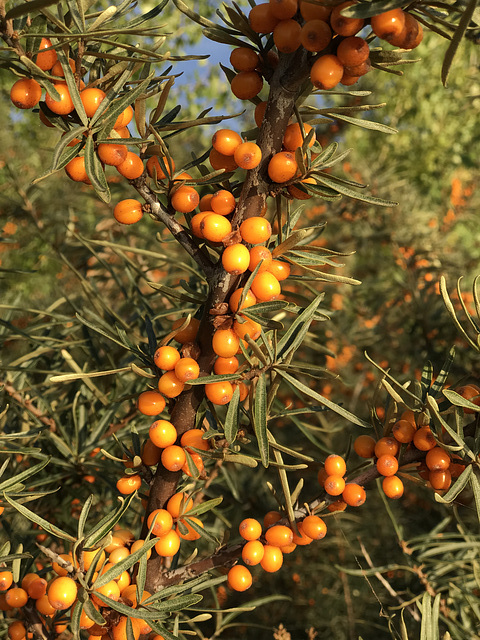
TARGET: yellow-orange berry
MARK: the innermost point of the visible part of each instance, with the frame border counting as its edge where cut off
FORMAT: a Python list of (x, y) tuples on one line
[(16, 597), (225, 365), (261, 18), (25, 93), (112, 154), (239, 578), (437, 459), (6, 580), (423, 439), (314, 527), (179, 504), (185, 199), (301, 539), (392, 487), (388, 24), (219, 392), (341, 24), (45, 59), (385, 446), (129, 484), (387, 465), (272, 558), (247, 326), (252, 552), (364, 446), (168, 544), (315, 35), (326, 72), (132, 167), (173, 457), (62, 592), (76, 171), (403, 431), (221, 161), (191, 534), (169, 385), (150, 403), (187, 369), (279, 536), (166, 358), (225, 141), (244, 59), (64, 105), (59, 570), (246, 85), (91, 99), (119, 554), (235, 258), (250, 529), (334, 485), (353, 494), (282, 166), (440, 480), (110, 590), (215, 227), (335, 465), (189, 333), (248, 155), (155, 168), (225, 343), (163, 522), (265, 286), (42, 605), (223, 202), (279, 269), (128, 211), (260, 254), (194, 438), (255, 230), (234, 302)]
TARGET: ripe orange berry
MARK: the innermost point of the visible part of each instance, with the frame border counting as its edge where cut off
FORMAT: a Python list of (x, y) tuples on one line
[(25, 93), (255, 230), (112, 154), (62, 593), (279, 269), (58, 70), (196, 221), (129, 484), (279, 536), (252, 552), (168, 545), (235, 258), (314, 527), (132, 167), (437, 459), (315, 35), (353, 494), (338, 505), (387, 465), (195, 461), (111, 590), (59, 570), (185, 199), (42, 605), (187, 369), (261, 18), (388, 24), (403, 431), (272, 558), (75, 170), (286, 36), (334, 485), (215, 227), (163, 522), (225, 365), (247, 326), (150, 403), (221, 161), (326, 72), (392, 487), (155, 168), (259, 254), (335, 465), (234, 301), (61, 107), (293, 138), (173, 457), (244, 59), (162, 433), (6, 580), (89, 557), (16, 630), (260, 113), (364, 446), (128, 211), (283, 9), (169, 385), (225, 141), (45, 59), (347, 80), (248, 155), (239, 578), (246, 85), (115, 543), (191, 533), (119, 554), (205, 202), (282, 166), (223, 202), (189, 333), (312, 11), (423, 439), (265, 286), (179, 504), (243, 390), (91, 99), (342, 25), (440, 480), (194, 438), (124, 118), (166, 358), (353, 51), (386, 445), (225, 343), (301, 539), (469, 392), (219, 392), (119, 631)]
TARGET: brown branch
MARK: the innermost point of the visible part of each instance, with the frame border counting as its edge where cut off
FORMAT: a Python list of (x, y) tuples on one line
[(29, 406)]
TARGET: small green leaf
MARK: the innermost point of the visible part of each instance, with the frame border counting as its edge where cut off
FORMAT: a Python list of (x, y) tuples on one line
[(33, 517), (456, 39), (24, 475), (457, 487), (210, 379), (260, 419), (28, 7), (125, 564), (232, 419), (95, 172), (295, 335)]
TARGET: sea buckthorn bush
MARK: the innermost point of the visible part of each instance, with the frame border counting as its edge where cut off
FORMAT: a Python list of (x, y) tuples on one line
[(174, 423)]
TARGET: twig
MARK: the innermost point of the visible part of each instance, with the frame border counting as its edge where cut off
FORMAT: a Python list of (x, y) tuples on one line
[(29, 406)]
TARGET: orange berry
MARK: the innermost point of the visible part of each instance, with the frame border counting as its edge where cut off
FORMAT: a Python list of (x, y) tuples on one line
[(173, 458), (124, 118), (353, 51), (239, 578), (194, 438), (315, 35), (403, 431), (119, 554), (252, 552), (235, 258), (334, 485), (128, 211), (246, 85), (243, 390), (225, 141), (282, 167), (219, 392), (314, 527), (215, 227), (326, 72), (386, 445), (353, 494), (338, 505), (423, 439), (75, 170), (62, 593), (91, 99), (151, 453), (234, 301), (168, 545), (115, 543), (248, 155), (112, 154), (61, 107), (166, 358), (342, 25), (205, 202), (150, 403), (265, 286), (221, 161), (272, 558), (279, 536), (185, 199), (189, 333), (196, 221), (59, 570), (392, 487), (16, 630), (293, 138), (388, 24), (191, 533), (111, 590), (179, 504), (16, 597), (138, 544), (89, 557), (125, 534), (440, 480), (42, 605), (312, 11), (132, 167), (129, 484), (260, 112), (6, 580), (364, 446), (286, 36), (225, 365), (119, 631), (225, 343), (45, 59), (301, 539), (437, 459), (279, 269), (250, 529), (25, 93), (387, 465), (163, 522), (155, 168), (335, 465), (123, 132), (57, 69), (244, 59), (259, 254), (469, 392), (223, 202), (248, 326), (187, 369), (255, 230), (169, 385)]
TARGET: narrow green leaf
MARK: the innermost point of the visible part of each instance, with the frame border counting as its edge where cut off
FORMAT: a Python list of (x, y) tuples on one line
[(33, 517), (441, 378), (293, 338), (95, 172), (476, 490), (346, 191), (24, 475), (176, 604), (232, 419), (364, 124), (459, 401), (209, 379), (456, 39), (260, 419), (107, 523), (238, 458), (28, 7), (83, 516), (125, 564), (456, 488)]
